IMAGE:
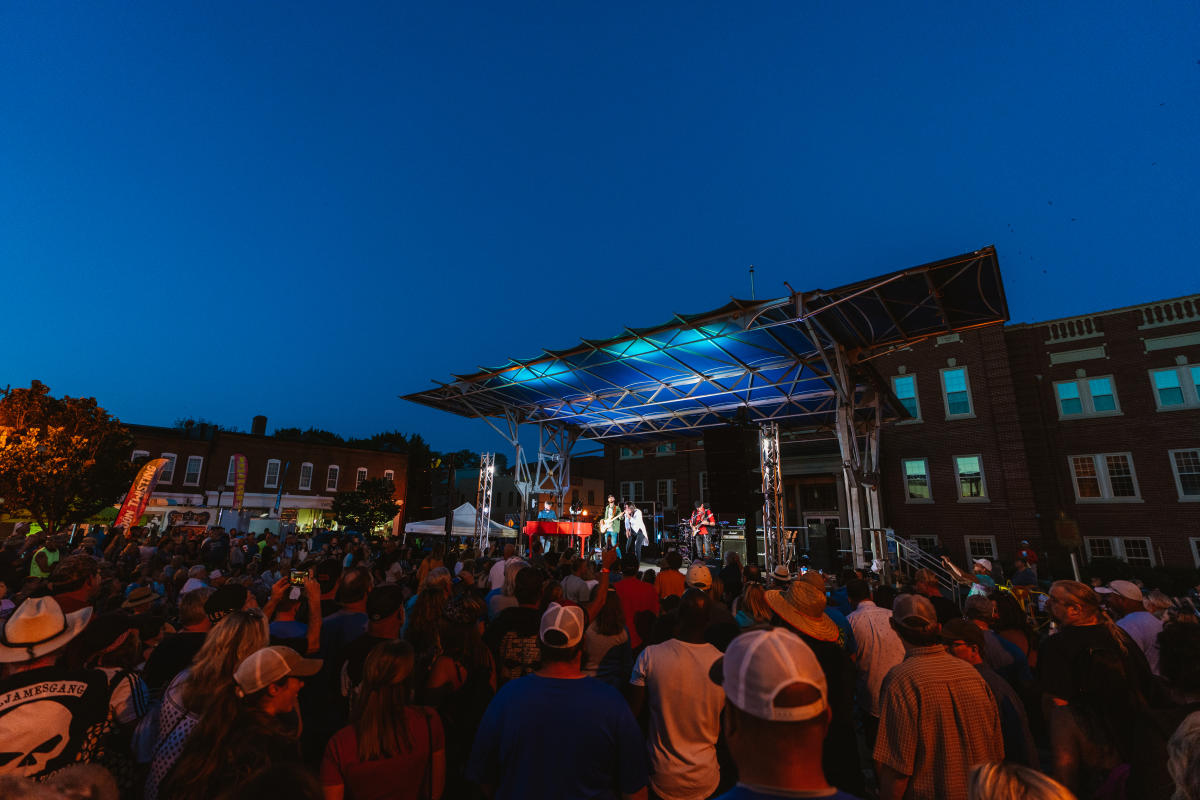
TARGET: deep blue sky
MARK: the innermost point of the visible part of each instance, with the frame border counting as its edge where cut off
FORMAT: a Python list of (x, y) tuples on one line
[(306, 209)]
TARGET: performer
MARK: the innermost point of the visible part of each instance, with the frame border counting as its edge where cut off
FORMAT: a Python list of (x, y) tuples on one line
[(637, 530), (547, 513), (611, 522), (701, 521)]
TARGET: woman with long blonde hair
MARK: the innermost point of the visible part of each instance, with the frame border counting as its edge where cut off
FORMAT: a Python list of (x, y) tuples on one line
[(206, 683), (390, 748), (1002, 781)]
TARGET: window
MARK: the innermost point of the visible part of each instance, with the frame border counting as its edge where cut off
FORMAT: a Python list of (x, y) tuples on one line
[(168, 471), (981, 547), (139, 454), (271, 481), (511, 500), (632, 491), (629, 452), (666, 493), (1086, 397), (665, 449), (389, 475), (331, 478), (360, 476), (1105, 477), (1186, 465), (591, 497), (916, 480), (704, 487), (905, 387), (1177, 387), (1134, 550), (968, 471), (231, 473), (306, 470), (926, 542), (956, 388), (191, 475)]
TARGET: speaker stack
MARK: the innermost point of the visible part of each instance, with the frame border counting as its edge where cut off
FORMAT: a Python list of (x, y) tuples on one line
[(735, 481)]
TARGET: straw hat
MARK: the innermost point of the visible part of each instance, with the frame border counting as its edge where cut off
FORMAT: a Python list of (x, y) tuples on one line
[(802, 606), (38, 627)]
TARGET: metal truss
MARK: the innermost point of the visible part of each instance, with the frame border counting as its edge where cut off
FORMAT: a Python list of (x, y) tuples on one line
[(554, 461), (774, 536), (483, 500)]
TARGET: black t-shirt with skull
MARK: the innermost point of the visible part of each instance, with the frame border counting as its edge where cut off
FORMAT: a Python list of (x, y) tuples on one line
[(49, 718)]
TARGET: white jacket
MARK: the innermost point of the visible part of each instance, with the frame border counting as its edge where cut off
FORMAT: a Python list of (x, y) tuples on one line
[(638, 528)]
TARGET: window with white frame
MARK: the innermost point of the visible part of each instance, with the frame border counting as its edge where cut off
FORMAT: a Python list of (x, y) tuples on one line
[(704, 487), (360, 475), (1176, 387), (1186, 466), (1195, 551), (306, 471), (271, 480), (632, 491), (168, 471), (331, 478), (956, 392), (1104, 477), (1134, 550), (231, 472), (630, 452), (1086, 397), (905, 388), (665, 449), (981, 547), (136, 454), (191, 474), (389, 475), (916, 480), (968, 473), (666, 492)]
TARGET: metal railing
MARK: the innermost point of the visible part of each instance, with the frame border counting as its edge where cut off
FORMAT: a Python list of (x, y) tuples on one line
[(910, 558)]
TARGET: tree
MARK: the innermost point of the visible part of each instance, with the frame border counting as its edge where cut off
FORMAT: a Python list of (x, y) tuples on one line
[(312, 436), (368, 506), (61, 459)]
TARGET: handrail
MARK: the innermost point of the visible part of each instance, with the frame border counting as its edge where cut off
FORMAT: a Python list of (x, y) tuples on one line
[(911, 555)]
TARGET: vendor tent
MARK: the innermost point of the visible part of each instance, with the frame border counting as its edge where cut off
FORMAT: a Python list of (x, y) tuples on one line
[(464, 525)]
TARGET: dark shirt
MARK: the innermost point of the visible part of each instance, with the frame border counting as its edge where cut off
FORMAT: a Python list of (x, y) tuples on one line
[(512, 638), (945, 608), (355, 655), (1058, 656), (840, 758), (1024, 577), (1148, 776), (172, 656), (1014, 724), (340, 629)]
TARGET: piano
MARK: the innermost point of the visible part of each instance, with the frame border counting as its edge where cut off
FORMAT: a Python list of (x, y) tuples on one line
[(546, 527)]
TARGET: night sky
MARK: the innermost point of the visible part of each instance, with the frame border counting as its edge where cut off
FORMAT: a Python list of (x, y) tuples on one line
[(303, 209)]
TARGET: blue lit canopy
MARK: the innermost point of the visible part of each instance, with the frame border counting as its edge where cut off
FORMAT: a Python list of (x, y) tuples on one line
[(748, 360)]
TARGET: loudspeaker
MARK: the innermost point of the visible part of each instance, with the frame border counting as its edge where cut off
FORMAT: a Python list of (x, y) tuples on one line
[(734, 478)]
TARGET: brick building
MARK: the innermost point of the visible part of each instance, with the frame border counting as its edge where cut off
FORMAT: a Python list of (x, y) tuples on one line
[(304, 476), (1080, 432)]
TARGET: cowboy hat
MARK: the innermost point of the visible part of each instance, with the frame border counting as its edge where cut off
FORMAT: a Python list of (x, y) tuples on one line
[(802, 606), (140, 596), (39, 627)]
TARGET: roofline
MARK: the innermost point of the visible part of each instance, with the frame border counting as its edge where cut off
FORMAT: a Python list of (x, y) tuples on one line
[(1108, 312), (256, 436)]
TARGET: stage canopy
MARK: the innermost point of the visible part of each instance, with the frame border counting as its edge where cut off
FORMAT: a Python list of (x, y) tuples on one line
[(749, 361), (464, 525)]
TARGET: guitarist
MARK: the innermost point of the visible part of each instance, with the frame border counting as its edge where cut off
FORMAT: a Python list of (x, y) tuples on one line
[(701, 520), (611, 523)]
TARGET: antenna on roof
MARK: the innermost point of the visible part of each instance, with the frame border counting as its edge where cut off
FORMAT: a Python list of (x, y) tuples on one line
[(752, 282)]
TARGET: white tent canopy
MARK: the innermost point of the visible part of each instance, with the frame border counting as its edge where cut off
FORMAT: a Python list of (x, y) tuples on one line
[(464, 525)]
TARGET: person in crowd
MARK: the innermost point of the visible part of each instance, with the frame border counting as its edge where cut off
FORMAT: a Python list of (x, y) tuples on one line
[(981, 576), (607, 655), (1183, 758), (504, 595), (845, 632), (1126, 599), (1023, 576), (966, 641), (877, 649), (75, 582), (731, 576), (776, 715), (802, 609), (937, 716), (45, 557), (512, 637), (575, 586), (670, 582), (391, 750), (496, 573), (751, 609), (177, 650), (639, 601), (1000, 654), (529, 716), (250, 728), (1008, 781), (461, 683), (781, 577), (685, 708), (1179, 662), (350, 620), (192, 692), (925, 583), (1012, 625), (552, 592), (197, 578), (51, 714), (385, 619), (1084, 627)]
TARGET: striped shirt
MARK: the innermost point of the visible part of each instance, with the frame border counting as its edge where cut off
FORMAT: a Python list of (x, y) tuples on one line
[(938, 719)]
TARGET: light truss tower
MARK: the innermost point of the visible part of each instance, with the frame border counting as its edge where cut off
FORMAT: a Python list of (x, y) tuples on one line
[(774, 537), (554, 461), (483, 500)]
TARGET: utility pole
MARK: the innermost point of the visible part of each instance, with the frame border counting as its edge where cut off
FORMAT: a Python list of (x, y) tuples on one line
[(752, 297)]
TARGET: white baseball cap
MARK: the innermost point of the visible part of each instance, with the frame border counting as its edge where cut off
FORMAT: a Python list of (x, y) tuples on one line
[(271, 664), (565, 623), (1126, 589), (986, 563), (760, 664), (699, 576)]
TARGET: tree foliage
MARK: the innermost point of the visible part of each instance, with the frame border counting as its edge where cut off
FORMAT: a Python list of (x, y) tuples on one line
[(368, 506), (61, 459)]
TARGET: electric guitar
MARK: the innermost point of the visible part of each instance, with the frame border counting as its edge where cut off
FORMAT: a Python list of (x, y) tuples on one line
[(606, 523)]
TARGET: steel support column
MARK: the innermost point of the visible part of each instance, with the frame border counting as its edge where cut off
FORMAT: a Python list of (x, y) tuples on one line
[(774, 539), (483, 500), (554, 461)]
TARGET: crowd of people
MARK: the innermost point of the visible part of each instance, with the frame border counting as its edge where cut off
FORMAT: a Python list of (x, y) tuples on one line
[(139, 664)]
